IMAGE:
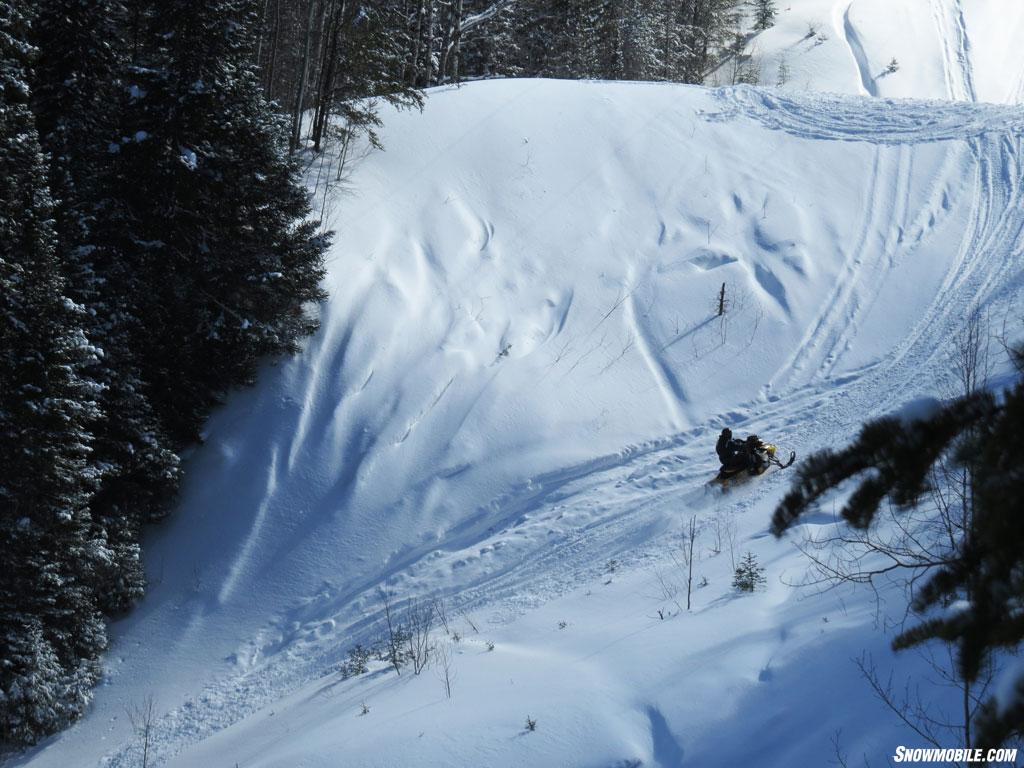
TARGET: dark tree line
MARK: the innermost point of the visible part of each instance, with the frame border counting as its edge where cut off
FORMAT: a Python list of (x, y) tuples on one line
[(153, 248), (672, 40), (324, 58), (669, 40)]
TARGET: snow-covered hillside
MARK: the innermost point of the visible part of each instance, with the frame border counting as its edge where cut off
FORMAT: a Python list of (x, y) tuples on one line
[(967, 50), (513, 404)]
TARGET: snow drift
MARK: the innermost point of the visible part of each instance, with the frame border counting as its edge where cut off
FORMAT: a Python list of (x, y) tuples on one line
[(513, 404)]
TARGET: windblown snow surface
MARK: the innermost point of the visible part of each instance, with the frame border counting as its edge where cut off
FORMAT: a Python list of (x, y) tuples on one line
[(513, 404)]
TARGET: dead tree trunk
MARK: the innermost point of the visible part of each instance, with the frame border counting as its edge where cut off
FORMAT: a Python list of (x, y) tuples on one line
[(262, 32), (446, 40), (428, 63), (450, 43), (316, 61), (414, 78), (327, 74), (456, 40), (300, 96), (689, 543), (274, 46)]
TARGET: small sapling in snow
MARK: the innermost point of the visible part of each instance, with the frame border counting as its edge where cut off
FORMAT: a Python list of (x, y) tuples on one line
[(749, 575), (357, 662), (142, 719)]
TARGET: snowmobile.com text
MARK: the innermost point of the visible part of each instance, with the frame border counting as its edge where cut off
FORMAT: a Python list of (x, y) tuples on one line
[(933, 755)]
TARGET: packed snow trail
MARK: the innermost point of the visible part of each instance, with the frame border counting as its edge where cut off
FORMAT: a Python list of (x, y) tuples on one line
[(520, 378), (878, 121)]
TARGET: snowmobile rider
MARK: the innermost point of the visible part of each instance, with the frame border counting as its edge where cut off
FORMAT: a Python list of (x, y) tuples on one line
[(737, 455)]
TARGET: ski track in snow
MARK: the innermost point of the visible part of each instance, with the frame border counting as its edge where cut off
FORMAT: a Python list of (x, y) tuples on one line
[(875, 121), (831, 323), (952, 31), (860, 58), (553, 533), (661, 370)]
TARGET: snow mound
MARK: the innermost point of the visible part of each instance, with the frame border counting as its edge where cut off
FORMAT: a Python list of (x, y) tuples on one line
[(513, 404)]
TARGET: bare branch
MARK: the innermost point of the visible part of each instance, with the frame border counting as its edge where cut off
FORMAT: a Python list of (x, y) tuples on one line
[(142, 718)]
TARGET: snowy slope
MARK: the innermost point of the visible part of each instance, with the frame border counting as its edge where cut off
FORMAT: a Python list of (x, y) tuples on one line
[(519, 379), (967, 50)]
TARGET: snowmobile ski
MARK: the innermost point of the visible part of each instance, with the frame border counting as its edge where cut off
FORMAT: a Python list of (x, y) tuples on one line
[(780, 465)]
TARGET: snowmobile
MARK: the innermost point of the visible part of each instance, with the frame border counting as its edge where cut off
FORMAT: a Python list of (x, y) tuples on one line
[(761, 457)]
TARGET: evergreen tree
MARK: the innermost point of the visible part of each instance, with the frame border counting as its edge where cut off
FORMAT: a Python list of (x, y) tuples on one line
[(363, 59), (32, 685), (491, 48), (620, 39), (179, 245), (51, 632), (749, 575), (217, 213), (668, 38), (542, 35), (893, 460), (76, 91), (634, 48), (705, 32), (764, 14)]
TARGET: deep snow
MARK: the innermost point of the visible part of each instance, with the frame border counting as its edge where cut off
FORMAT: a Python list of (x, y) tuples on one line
[(520, 379)]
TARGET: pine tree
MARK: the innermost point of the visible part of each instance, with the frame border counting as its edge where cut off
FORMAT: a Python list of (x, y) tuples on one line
[(893, 460), (363, 60), (50, 629), (668, 39), (674, 40), (749, 575), (76, 86), (764, 14), (705, 27), (217, 213), (636, 44), (34, 699), (491, 48)]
